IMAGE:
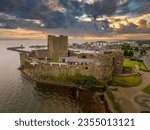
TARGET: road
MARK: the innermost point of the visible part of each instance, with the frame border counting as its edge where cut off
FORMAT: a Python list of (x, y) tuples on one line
[(133, 100), (146, 60)]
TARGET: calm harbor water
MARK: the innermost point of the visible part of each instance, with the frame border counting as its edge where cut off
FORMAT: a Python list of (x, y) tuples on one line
[(20, 94)]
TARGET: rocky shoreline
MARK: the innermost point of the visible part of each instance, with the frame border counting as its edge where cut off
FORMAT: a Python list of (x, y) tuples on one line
[(97, 98), (61, 83)]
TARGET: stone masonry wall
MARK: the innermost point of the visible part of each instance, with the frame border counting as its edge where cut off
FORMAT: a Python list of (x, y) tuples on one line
[(57, 69), (103, 67), (57, 46), (118, 63)]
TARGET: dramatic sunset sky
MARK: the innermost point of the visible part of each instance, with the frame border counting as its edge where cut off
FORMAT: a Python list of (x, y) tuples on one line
[(80, 19)]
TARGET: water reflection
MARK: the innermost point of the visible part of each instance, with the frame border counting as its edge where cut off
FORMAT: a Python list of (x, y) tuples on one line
[(20, 94)]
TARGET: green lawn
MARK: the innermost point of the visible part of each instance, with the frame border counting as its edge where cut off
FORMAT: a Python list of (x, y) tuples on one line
[(130, 81), (147, 89), (129, 63)]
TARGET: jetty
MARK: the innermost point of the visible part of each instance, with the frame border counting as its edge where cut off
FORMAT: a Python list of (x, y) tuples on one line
[(18, 49)]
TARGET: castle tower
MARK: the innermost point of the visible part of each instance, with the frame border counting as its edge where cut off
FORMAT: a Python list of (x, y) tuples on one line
[(118, 62), (23, 58), (103, 67), (107, 65), (57, 46)]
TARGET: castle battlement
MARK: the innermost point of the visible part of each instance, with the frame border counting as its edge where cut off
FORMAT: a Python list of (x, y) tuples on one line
[(101, 66)]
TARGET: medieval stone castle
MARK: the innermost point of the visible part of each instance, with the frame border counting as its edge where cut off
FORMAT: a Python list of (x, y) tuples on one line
[(58, 59)]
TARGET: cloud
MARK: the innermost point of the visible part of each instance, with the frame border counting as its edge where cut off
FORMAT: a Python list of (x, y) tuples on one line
[(134, 7), (142, 26), (66, 14), (37, 9), (57, 13), (96, 9), (102, 7), (129, 28), (143, 23), (12, 22)]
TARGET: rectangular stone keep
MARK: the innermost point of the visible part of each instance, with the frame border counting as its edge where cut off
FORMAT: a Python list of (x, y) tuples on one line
[(57, 46)]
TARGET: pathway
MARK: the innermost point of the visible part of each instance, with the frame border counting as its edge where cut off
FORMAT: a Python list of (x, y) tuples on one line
[(133, 99)]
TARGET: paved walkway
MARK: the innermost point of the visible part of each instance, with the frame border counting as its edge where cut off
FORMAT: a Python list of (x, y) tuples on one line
[(146, 60), (133, 99), (142, 101)]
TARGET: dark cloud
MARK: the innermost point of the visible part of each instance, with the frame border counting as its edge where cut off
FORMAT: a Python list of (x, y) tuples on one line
[(129, 28), (141, 27), (65, 13), (8, 21), (134, 7), (74, 7), (102, 7), (143, 23), (11, 5), (94, 10), (37, 9), (95, 27), (40, 9), (144, 26)]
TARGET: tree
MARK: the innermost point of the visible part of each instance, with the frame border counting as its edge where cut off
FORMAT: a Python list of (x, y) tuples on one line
[(137, 49), (142, 51), (126, 46)]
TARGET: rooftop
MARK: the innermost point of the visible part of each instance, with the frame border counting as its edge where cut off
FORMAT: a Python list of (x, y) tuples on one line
[(75, 59)]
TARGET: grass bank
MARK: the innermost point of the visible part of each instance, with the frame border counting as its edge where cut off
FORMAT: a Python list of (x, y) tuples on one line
[(77, 79), (147, 89), (132, 63), (116, 106), (130, 81)]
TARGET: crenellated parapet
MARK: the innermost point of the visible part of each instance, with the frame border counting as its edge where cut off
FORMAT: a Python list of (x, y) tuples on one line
[(55, 61)]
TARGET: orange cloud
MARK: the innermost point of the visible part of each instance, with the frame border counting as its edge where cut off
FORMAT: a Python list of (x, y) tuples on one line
[(113, 37), (22, 33)]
